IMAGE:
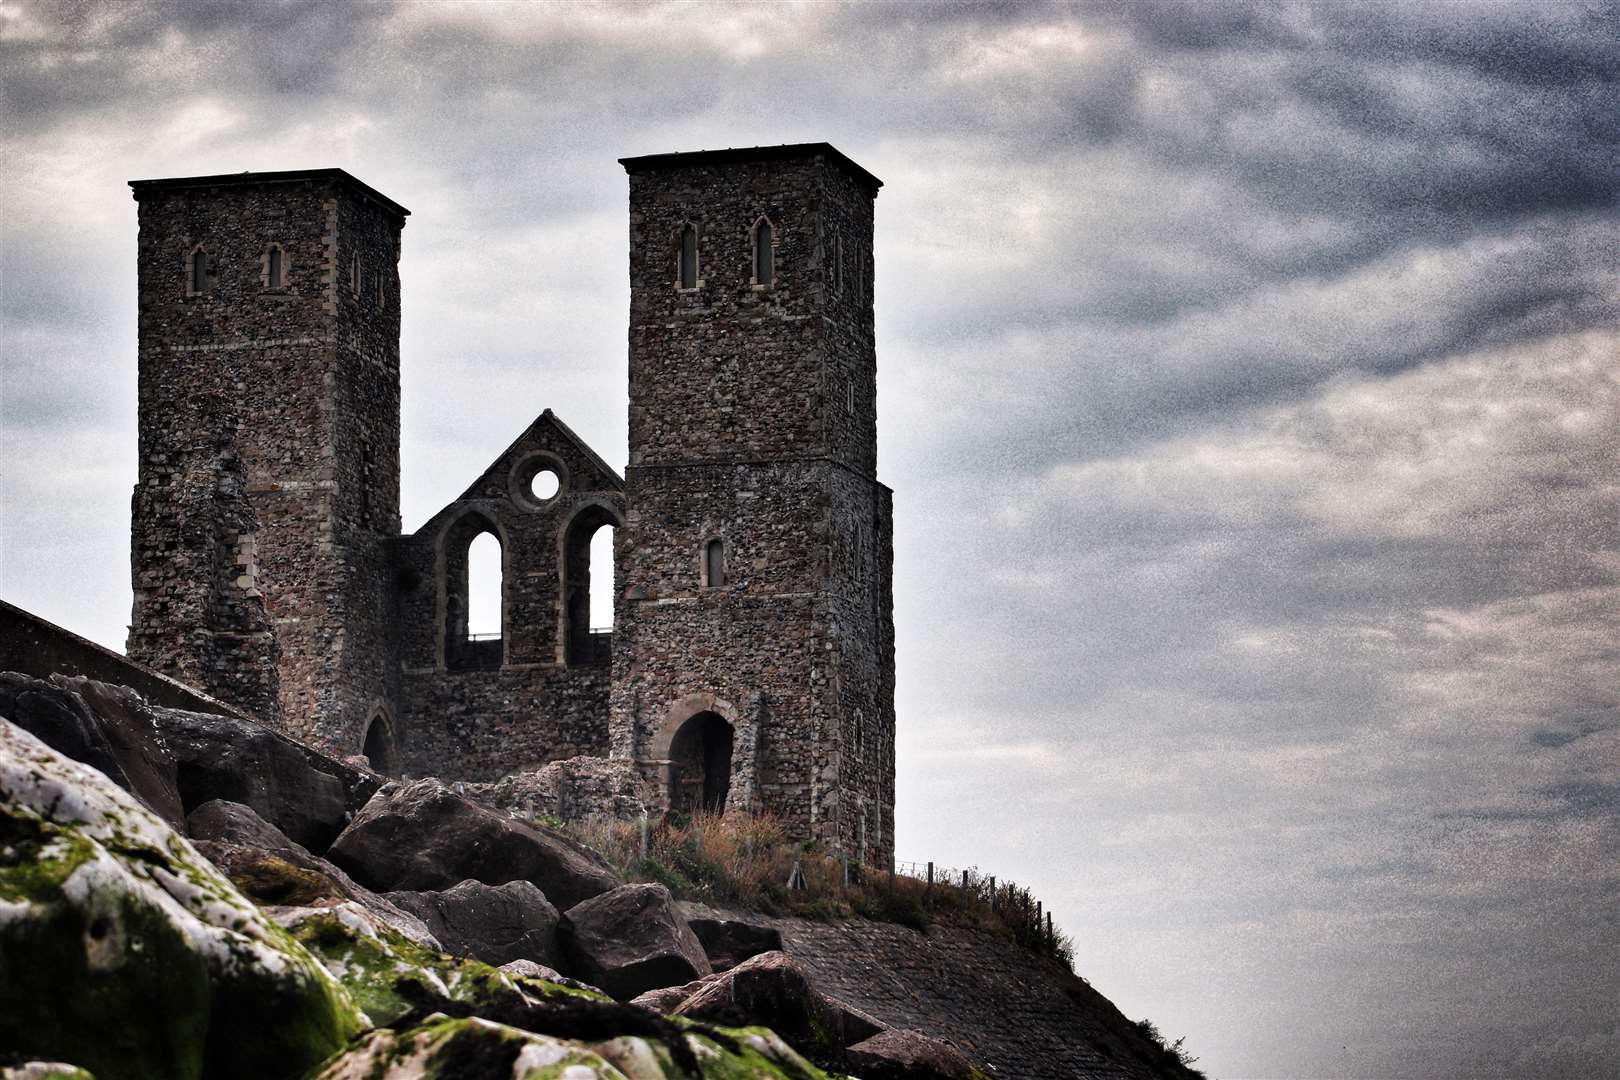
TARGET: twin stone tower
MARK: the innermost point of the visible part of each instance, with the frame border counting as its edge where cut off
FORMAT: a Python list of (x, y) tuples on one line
[(750, 665)]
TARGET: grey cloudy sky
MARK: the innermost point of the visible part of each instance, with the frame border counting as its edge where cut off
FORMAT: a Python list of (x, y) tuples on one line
[(1248, 384)]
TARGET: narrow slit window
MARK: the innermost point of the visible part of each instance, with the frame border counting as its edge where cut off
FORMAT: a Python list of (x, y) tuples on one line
[(200, 278), (689, 257), (273, 271), (714, 564), (764, 254)]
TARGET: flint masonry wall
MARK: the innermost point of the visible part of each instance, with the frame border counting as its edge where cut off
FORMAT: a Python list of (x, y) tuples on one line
[(269, 444), (479, 709), (752, 422)]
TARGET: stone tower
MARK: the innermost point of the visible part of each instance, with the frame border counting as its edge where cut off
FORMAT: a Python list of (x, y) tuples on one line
[(268, 484), (753, 657)]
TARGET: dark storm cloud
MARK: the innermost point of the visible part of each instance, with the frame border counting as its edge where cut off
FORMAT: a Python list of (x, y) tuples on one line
[(1248, 388)]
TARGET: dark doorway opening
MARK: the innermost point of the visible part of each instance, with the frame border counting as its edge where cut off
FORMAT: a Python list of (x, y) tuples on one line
[(700, 765), (379, 748)]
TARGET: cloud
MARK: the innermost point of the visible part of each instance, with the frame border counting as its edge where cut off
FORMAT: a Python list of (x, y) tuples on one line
[(1247, 386)]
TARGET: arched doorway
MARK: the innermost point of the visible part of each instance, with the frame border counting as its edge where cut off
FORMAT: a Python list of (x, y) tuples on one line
[(700, 764), (380, 747)]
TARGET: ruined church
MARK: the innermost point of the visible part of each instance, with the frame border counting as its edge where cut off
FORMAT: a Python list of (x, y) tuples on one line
[(750, 665)]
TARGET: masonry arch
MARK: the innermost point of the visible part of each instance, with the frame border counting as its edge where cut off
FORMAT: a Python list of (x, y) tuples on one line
[(584, 644), (380, 743), (696, 746), (461, 646)]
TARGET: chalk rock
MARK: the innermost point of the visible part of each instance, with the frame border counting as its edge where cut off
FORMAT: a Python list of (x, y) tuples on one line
[(108, 728), (124, 952)]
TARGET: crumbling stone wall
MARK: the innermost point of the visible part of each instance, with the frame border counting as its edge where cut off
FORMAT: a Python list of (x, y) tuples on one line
[(476, 710), (269, 443), (753, 422)]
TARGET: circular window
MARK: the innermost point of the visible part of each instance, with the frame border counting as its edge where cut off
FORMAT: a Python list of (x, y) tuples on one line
[(537, 480), (545, 485)]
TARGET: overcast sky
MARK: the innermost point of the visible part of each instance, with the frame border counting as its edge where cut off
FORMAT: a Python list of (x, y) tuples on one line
[(1247, 383)]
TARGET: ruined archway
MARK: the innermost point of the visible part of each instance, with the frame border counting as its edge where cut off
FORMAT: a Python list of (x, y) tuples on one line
[(380, 746), (700, 764)]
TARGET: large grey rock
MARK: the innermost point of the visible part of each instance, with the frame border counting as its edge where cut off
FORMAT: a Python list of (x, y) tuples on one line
[(528, 969), (270, 868), (729, 939), (303, 792), (421, 835), (666, 999), (772, 990), (123, 951), (494, 923), (108, 728), (631, 940), (899, 1054)]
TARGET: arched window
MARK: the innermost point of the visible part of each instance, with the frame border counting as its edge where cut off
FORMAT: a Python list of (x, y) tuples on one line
[(714, 564), (689, 256), (484, 587), (202, 273), (275, 270), (838, 261), (473, 594), (354, 274), (588, 587), (764, 253)]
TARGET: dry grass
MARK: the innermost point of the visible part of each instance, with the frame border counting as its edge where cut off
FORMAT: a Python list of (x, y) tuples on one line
[(744, 861)]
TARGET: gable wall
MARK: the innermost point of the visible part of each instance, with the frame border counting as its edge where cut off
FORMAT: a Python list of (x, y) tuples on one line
[(479, 713)]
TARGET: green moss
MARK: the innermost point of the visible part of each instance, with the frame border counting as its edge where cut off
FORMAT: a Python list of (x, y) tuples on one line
[(387, 974), (270, 879), (117, 982)]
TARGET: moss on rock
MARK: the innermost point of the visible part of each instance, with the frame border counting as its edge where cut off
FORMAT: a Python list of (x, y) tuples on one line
[(123, 951), (444, 1048)]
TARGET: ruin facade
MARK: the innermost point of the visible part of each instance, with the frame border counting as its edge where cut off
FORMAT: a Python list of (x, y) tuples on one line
[(750, 665)]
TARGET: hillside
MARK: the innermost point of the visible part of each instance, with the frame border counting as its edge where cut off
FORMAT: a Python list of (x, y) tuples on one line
[(185, 894)]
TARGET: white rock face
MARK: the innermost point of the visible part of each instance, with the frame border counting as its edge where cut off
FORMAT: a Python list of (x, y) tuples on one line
[(102, 904)]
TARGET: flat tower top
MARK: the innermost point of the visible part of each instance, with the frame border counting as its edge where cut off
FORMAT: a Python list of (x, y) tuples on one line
[(290, 176), (753, 153)]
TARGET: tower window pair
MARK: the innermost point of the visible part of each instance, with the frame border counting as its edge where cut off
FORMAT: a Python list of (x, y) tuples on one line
[(762, 255)]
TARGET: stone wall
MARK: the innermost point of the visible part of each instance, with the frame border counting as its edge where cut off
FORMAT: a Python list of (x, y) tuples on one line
[(269, 443), (476, 709), (753, 422), (33, 646)]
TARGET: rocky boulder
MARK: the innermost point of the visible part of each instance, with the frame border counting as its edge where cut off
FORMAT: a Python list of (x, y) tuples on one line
[(495, 923), (444, 1047), (270, 868), (899, 1054), (773, 990), (632, 940), (422, 836), (108, 728), (303, 792), (729, 939), (124, 952)]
